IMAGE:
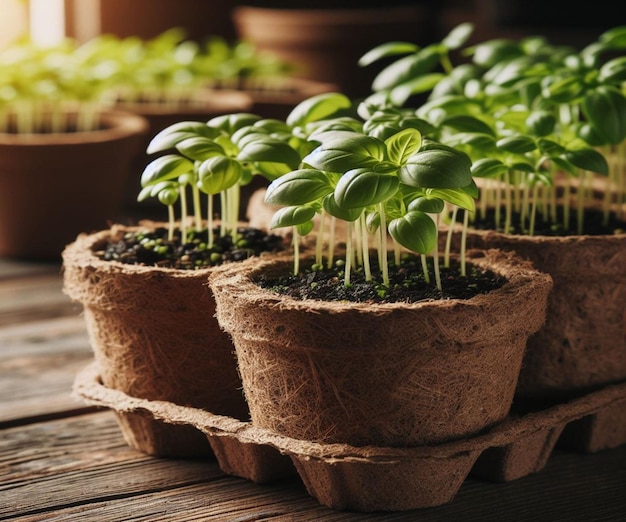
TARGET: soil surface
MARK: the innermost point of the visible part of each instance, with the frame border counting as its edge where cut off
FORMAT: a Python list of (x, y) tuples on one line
[(407, 283), (153, 248), (593, 224)]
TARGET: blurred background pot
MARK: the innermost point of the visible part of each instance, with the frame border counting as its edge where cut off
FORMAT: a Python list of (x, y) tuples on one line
[(55, 185)]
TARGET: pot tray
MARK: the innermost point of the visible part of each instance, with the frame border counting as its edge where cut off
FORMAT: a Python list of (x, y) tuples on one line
[(380, 478)]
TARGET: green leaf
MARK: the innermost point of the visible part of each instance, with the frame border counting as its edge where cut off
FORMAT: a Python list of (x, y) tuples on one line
[(298, 187), (271, 171), (168, 196), (613, 71), (588, 159), (290, 216), (169, 137), (270, 150), (345, 214), (386, 50), (360, 188), (424, 83), (317, 108), (550, 147), (437, 168), (605, 108), (459, 197), (541, 123), (517, 144), (430, 205), (230, 123), (415, 231), (342, 151), (458, 36), (495, 51), (464, 123), (614, 38), (218, 173), (199, 148), (403, 144), (488, 168), (304, 228), (167, 167), (406, 69)]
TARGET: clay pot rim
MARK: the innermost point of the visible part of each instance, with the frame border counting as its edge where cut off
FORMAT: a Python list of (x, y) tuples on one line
[(116, 125), (204, 100)]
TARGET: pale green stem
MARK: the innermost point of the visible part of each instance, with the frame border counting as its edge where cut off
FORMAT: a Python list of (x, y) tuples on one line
[(223, 207), (517, 192), (533, 210), (525, 203), (197, 210), (580, 202), (183, 213), (425, 268), (171, 222), (349, 253), (553, 204), (383, 244), (396, 253), (608, 193), (508, 204), (331, 241), (319, 241), (209, 221), (484, 197), (446, 254), (365, 248), (498, 202), (464, 241), (436, 263), (296, 250), (358, 241)]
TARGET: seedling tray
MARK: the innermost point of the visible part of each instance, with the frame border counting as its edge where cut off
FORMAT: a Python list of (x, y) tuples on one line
[(370, 478)]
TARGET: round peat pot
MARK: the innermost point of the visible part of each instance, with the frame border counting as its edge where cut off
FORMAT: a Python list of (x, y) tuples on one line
[(379, 374)]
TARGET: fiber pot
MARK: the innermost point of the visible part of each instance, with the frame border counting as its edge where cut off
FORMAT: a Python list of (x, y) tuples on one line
[(55, 185), (582, 346), (396, 375), (154, 336)]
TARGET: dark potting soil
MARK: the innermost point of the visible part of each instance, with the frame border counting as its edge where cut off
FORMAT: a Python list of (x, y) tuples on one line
[(406, 283), (593, 224), (153, 248)]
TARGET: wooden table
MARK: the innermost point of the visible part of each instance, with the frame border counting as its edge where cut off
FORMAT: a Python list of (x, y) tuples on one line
[(62, 460)]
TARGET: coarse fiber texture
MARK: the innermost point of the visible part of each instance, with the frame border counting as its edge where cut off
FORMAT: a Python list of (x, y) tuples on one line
[(379, 374), (154, 333), (374, 478), (582, 345)]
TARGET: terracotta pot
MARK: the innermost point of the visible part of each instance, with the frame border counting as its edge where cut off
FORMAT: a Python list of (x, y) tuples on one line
[(53, 186), (326, 44), (154, 336), (279, 102), (582, 346), (396, 375), (148, 18)]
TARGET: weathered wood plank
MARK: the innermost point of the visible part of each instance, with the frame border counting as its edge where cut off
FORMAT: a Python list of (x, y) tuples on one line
[(15, 268), (34, 298), (38, 364), (80, 469)]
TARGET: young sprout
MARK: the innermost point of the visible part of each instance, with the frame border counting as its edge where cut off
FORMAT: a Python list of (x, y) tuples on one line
[(383, 190)]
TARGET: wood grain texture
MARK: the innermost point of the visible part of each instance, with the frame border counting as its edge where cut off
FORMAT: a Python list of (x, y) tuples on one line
[(62, 461)]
